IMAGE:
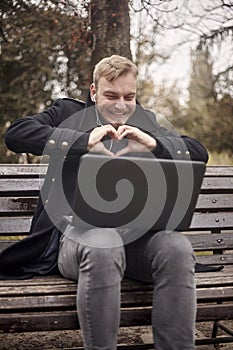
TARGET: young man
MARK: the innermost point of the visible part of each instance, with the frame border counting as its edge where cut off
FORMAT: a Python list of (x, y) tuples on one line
[(112, 123)]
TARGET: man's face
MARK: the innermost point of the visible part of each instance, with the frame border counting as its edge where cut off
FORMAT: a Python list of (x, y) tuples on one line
[(116, 100)]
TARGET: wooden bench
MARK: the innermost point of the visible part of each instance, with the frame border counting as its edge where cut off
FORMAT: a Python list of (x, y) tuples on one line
[(48, 303)]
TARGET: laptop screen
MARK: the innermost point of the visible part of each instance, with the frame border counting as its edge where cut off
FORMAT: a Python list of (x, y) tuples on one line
[(136, 193)]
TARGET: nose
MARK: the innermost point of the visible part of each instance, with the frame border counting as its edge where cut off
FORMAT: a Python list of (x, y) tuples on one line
[(120, 105)]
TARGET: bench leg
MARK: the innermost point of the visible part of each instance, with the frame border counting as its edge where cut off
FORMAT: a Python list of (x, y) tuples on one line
[(220, 325)]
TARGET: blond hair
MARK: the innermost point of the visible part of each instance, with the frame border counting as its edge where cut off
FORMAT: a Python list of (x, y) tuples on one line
[(113, 67)]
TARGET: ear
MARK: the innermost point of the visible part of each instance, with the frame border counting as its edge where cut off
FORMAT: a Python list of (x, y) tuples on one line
[(93, 92)]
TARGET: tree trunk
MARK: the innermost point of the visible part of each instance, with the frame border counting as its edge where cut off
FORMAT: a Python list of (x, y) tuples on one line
[(110, 26)]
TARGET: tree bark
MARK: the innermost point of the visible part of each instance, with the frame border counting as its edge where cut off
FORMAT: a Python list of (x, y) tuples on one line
[(110, 26)]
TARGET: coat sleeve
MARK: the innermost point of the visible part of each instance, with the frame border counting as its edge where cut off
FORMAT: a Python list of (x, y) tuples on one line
[(47, 131)]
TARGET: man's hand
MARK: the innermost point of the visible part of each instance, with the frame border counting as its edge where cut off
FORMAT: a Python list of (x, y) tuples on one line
[(96, 145), (139, 141)]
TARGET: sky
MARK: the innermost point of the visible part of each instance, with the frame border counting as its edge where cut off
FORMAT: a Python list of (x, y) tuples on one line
[(193, 19)]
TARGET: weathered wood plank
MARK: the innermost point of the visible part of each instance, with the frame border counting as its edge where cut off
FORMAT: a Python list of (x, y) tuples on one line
[(15, 226), (211, 241), (28, 184), (43, 321), (68, 319), (204, 221), (215, 201), (212, 184), (212, 294), (216, 259), (15, 205), (46, 300), (219, 170), (8, 186), (25, 169), (22, 170), (38, 303), (214, 281), (55, 282), (211, 312), (25, 204)]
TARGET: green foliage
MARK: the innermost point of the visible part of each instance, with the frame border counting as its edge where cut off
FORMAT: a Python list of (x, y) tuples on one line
[(43, 48)]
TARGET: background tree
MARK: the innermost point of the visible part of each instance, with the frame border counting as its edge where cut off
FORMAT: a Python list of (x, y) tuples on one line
[(110, 25), (202, 95), (205, 109), (209, 114), (48, 49)]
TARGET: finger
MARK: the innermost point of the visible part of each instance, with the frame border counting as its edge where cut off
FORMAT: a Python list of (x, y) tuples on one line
[(122, 128), (130, 134), (113, 134), (110, 130), (98, 134)]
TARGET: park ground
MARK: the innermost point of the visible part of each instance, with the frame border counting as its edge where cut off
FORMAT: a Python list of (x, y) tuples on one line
[(56, 340)]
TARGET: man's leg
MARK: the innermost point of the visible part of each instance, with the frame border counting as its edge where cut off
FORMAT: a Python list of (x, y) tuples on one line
[(98, 265), (167, 259)]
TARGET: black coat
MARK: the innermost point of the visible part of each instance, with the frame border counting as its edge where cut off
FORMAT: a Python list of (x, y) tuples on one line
[(62, 132)]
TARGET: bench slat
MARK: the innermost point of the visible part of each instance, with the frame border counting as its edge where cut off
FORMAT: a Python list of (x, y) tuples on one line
[(47, 301), (212, 241), (41, 321), (69, 320), (216, 259), (22, 170), (219, 170), (209, 281), (215, 201), (22, 204), (25, 205), (217, 184), (35, 169), (61, 283), (205, 221), (29, 185), (9, 185), (15, 226)]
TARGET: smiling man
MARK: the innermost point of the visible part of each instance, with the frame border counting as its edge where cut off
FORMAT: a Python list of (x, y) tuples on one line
[(114, 92), (111, 122)]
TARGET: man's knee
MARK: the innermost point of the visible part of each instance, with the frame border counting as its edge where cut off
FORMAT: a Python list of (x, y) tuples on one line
[(101, 238), (103, 258), (92, 251), (171, 249)]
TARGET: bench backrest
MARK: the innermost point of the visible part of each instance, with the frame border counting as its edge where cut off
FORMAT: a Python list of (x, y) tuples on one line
[(211, 228)]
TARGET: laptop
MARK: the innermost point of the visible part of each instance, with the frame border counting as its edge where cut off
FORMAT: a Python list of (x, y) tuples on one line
[(136, 193)]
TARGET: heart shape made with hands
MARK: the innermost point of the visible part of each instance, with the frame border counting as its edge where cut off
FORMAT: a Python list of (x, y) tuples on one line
[(138, 140)]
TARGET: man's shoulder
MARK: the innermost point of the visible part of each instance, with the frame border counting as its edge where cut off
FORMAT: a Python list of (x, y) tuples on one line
[(76, 100), (150, 113), (71, 101)]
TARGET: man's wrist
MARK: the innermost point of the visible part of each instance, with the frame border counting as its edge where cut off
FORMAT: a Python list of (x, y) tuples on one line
[(152, 144)]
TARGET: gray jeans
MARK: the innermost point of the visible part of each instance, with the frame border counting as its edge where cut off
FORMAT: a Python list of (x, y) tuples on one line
[(99, 263)]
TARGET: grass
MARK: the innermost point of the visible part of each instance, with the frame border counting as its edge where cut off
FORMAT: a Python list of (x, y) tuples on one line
[(222, 158)]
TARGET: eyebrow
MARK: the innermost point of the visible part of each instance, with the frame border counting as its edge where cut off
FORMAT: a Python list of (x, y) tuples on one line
[(131, 93)]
